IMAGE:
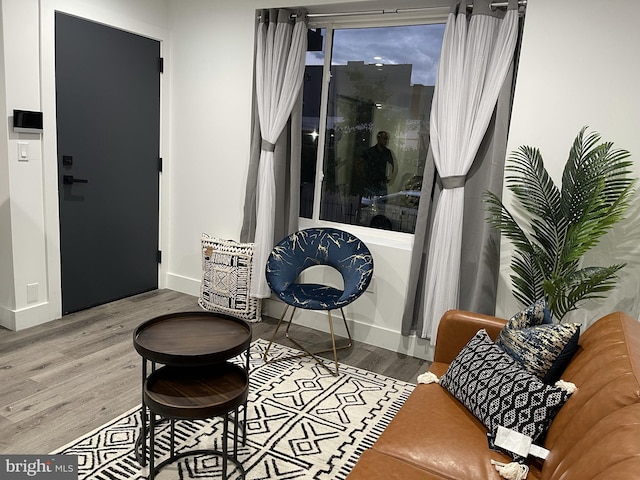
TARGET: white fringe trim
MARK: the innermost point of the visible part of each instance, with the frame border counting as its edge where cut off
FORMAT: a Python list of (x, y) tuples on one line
[(511, 471), (568, 387), (428, 377)]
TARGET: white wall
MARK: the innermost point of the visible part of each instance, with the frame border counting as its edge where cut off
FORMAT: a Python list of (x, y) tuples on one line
[(29, 215), (25, 206), (7, 293), (212, 77), (206, 120), (580, 66)]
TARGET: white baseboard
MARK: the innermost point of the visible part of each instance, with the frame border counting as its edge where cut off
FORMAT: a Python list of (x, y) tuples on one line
[(182, 284), (24, 318), (360, 331)]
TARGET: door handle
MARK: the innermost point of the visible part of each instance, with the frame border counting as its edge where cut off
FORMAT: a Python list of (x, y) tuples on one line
[(69, 180)]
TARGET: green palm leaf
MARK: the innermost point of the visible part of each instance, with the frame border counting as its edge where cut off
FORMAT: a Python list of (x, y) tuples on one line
[(501, 219), (597, 199), (566, 293), (563, 224), (526, 272), (532, 185)]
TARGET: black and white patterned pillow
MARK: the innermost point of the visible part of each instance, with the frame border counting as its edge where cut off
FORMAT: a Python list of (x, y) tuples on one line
[(497, 391), (226, 279), (542, 347)]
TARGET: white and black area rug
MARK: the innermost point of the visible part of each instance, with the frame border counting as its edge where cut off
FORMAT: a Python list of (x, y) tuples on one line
[(302, 424)]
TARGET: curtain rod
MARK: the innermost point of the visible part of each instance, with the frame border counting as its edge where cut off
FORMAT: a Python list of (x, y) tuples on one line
[(493, 5)]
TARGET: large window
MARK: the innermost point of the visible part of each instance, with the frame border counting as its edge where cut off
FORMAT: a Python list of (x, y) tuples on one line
[(367, 101)]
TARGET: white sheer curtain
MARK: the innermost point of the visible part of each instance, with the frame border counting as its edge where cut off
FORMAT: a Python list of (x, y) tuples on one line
[(475, 58), (280, 61)]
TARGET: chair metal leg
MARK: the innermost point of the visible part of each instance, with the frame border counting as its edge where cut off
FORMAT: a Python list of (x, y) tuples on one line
[(333, 341), (266, 351), (306, 352)]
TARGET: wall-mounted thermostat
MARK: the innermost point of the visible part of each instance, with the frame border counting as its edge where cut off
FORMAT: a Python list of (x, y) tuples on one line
[(27, 121)]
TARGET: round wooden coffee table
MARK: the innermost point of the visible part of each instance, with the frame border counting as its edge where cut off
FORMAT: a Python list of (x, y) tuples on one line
[(184, 343), (192, 338)]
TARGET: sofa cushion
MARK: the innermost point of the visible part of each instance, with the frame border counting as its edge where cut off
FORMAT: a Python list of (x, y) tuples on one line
[(608, 450), (606, 370), (540, 346), (498, 391), (433, 431), (373, 464)]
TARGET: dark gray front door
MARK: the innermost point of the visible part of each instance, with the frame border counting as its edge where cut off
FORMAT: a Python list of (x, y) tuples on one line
[(108, 118)]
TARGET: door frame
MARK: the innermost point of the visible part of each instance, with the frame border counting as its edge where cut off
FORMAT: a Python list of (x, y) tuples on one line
[(49, 137)]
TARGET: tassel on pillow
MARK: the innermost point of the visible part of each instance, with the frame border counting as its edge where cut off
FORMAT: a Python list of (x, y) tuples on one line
[(428, 377), (511, 471), (568, 387)]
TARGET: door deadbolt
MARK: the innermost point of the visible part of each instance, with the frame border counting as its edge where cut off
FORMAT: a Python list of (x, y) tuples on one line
[(70, 180)]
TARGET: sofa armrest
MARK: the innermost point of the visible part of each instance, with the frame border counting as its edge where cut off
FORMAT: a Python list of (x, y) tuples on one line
[(457, 327)]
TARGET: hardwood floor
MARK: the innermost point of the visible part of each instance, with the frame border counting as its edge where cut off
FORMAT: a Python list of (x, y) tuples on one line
[(67, 377)]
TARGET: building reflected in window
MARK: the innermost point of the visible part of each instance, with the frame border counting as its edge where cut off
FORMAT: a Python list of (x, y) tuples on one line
[(376, 133)]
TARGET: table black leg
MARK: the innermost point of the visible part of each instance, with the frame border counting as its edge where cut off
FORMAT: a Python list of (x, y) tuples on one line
[(152, 440), (244, 408), (236, 416), (143, 420), (172, 450), (225, 435)]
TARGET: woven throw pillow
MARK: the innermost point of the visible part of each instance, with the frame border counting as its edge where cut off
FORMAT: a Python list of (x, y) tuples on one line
[(535, 314), (540, 346), (226, 279), (497, 391)]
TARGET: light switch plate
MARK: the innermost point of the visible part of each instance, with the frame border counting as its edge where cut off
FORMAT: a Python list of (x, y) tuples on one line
[(23, 151)]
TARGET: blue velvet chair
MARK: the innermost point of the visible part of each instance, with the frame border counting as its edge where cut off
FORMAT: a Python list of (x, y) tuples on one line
[(307, 248)]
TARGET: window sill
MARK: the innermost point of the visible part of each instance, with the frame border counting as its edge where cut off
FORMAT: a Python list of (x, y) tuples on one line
[(370, 236)]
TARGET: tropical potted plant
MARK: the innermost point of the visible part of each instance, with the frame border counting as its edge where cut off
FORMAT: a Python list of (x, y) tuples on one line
[(561, 225)]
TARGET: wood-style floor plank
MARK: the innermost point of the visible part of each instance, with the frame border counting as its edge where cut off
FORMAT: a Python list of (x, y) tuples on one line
[(67, 377)]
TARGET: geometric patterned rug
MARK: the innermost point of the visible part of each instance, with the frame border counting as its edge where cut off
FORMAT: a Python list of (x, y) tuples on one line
[(302, 423)]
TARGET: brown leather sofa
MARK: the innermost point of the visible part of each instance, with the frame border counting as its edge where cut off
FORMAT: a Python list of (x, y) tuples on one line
[(595, 436)]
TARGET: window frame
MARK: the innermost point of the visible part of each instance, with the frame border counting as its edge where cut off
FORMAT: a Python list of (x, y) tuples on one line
[(436, 15)]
